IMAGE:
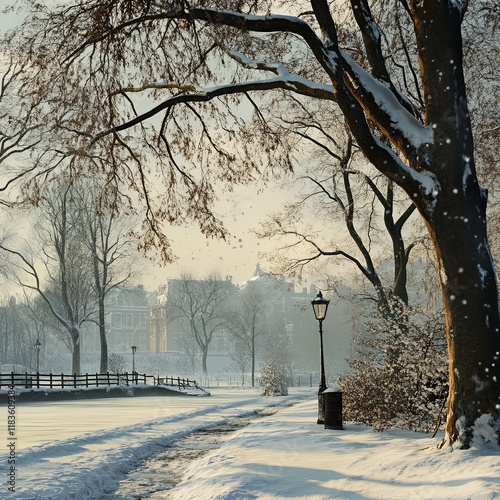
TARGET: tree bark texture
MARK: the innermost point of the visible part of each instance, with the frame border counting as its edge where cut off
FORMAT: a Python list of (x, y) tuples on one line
[(469, 290), (457, 226)]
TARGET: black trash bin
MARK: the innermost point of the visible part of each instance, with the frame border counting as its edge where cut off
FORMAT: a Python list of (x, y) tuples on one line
[(332, 405)]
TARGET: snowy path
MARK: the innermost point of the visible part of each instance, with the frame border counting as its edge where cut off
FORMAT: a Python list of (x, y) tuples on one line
[(155, 477), (91, 465)]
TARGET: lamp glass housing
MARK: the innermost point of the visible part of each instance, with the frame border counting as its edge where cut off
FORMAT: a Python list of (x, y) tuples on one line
[(320, 306)]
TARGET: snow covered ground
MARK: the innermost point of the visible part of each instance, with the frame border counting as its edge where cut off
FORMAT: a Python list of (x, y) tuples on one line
[(83, 450)]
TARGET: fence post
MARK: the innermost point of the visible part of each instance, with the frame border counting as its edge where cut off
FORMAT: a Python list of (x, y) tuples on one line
[(62, 380), (37, 380), (50, 379), (74, 380)]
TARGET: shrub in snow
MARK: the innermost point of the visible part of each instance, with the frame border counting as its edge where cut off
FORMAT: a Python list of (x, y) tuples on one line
[(273, 378), (116, 363), (399, 372)]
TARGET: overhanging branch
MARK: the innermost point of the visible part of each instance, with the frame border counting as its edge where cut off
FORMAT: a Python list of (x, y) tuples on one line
[(292, 83)]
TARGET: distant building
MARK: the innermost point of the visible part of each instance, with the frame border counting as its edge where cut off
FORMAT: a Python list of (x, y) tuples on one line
[(147, 321), (169, 328), (127, 321), (158, 322), (288, 310)]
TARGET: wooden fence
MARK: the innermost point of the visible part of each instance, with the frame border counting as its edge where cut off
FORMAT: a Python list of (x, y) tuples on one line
[(57, 381)]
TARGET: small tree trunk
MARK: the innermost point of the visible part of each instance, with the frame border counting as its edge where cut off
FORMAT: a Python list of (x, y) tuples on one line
[(102, 336), (76, 343), (253, 361), (204, 362)]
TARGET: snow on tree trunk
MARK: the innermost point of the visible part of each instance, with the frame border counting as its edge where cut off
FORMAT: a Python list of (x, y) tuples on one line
[(469, 290)]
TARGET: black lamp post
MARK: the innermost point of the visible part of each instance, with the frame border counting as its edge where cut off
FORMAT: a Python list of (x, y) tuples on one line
[(320, 306), (38, 347)]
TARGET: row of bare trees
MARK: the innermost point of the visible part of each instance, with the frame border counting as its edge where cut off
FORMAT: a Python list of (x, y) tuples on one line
[(75, 254), (200, 310)]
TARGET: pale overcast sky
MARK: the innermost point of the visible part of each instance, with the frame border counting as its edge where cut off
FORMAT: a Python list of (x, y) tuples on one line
[(238, 256)]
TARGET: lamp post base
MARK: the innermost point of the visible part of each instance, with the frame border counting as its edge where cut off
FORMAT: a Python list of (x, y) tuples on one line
[(321, 407)]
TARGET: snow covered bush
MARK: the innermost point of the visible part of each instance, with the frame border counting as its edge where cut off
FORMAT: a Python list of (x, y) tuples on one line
[(273, 378), (398, 372), (277, 363), (116, 363)]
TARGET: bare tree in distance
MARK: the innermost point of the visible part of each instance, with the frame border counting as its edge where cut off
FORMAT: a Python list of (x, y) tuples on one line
[(345, 195), (186, 340), (65, 283), (248, 327), (203, 303), (105, 232), (177, 107), (240, 360), (17, 334)]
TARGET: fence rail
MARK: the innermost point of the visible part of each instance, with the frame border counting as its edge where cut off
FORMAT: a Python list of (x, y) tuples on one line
[(57, 381)]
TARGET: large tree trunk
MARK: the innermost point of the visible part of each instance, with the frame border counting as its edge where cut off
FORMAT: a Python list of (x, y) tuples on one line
[(457, 225), (469, 289)]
